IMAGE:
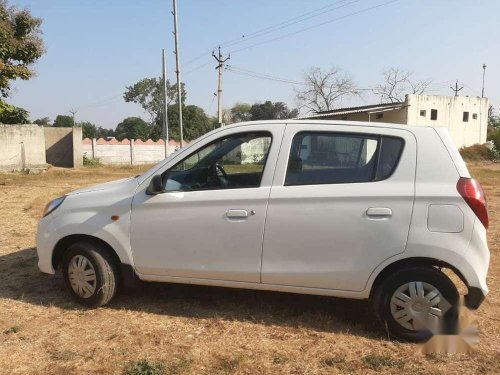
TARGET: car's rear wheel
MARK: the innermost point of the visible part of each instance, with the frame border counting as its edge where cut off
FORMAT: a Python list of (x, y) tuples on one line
[(415, 303), (90, 274)]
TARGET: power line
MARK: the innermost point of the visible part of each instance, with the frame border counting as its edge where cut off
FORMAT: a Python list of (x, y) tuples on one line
[(269, 77), (278, 26), (472, 89), (98, 103), (197, 68), (250, 73), (315, 26), (288, 23)]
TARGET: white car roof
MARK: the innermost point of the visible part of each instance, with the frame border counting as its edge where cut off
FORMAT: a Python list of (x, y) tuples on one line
[(413, 128)]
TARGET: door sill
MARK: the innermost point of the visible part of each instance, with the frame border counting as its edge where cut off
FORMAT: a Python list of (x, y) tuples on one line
[(255, 285)]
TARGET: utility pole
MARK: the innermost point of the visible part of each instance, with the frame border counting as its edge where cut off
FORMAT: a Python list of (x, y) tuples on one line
[(178, 71), (73, 113), (165, 113), (484, 72), (220, 66), (456, 89)]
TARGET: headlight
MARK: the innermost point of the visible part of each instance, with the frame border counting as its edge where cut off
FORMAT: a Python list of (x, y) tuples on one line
[(52, 205)]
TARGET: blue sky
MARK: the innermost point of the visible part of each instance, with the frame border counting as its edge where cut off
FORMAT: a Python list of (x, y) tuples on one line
[(95, 48)]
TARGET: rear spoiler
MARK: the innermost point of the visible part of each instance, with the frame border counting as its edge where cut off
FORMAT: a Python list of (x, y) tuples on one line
[(444, 135)]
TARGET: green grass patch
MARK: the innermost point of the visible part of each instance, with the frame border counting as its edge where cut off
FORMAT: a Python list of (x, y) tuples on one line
[(13, 329), (145, 367), (377, 362)]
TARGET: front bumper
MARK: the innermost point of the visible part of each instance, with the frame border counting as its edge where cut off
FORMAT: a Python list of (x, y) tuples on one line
[(45, 246)]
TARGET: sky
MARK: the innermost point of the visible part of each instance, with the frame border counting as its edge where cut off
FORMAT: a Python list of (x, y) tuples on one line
[(96, 48)]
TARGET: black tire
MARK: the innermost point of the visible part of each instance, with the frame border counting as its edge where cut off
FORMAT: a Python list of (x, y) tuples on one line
[(430, 275), (106, 274)]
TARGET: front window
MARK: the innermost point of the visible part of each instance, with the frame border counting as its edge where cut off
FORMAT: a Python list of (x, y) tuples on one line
[(236, 161)]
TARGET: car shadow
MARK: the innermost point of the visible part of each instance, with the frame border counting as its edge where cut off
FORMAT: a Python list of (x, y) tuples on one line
[(21, 280)]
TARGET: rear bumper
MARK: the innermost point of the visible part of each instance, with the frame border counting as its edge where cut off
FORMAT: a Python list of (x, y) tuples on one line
[(474, 298)]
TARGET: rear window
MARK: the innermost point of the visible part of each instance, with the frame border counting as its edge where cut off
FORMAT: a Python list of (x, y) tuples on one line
[(334, 158)]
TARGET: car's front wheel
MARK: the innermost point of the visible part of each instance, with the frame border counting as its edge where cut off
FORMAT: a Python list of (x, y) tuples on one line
[(415, 303), (89, 274)]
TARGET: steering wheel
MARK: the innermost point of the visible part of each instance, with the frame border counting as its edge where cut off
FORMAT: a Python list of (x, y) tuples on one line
[(223, 177)]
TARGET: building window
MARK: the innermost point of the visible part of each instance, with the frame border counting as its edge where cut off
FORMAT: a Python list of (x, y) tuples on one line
[(423, 112), (474, 116), (379, 115), (434, 114), (465, 117)]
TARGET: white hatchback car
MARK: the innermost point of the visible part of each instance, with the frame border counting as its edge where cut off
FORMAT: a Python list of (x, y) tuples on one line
[(344, 209)]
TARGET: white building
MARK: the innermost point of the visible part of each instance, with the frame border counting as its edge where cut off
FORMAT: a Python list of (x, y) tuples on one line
[(465, 117)]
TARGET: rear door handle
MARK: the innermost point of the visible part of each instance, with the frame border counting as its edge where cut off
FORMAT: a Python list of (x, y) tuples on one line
[(379, 212), (237, 214)]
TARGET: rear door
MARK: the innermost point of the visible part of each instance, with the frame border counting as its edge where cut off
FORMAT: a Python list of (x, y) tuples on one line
[(340, 204)]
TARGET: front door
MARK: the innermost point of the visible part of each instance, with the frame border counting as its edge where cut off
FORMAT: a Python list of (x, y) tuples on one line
[(209, 223), (340, 205)]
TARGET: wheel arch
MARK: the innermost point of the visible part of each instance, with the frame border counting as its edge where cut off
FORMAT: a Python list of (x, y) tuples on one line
[(414, 262), (126, 271), (65, 242)]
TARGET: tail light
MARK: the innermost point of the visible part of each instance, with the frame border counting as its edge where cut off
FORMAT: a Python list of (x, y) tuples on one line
[(473, 194)]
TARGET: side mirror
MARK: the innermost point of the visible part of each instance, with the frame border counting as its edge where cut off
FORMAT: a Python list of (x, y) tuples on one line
[(156, 185)]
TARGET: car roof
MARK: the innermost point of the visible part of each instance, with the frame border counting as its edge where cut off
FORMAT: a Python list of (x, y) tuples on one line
[(411, 128)]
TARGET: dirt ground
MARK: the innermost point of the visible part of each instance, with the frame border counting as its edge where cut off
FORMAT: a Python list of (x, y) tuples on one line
[(201, 330)]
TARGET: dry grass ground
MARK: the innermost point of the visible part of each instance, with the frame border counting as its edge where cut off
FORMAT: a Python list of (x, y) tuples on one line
[(196, 330)]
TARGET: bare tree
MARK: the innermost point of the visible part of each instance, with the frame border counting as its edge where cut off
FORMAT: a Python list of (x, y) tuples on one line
[(397, 83), (324, 89)]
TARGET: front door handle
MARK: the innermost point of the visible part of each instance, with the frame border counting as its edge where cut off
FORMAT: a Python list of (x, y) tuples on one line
[(237, 214), (379, 212)]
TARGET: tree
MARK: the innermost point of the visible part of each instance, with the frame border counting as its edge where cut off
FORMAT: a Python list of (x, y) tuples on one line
[(44, 121), (194, 119), (397, 83), (132, 128), (493, 119), (90, 130), (324, 89), (10, 114), (64, 121), (20, 45), (494, 128), (148, 93), (271, 111), (240, 112)]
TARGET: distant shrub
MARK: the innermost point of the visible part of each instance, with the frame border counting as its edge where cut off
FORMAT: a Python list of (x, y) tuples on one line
[(89, 162), (477, 152), (495, 137), (144, 367)]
